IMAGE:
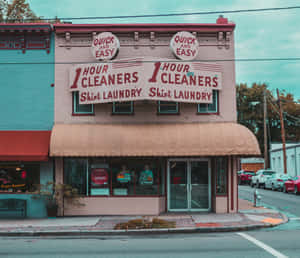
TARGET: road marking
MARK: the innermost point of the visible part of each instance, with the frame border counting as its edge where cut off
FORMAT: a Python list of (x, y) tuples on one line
[(267, 248), (294, 218)]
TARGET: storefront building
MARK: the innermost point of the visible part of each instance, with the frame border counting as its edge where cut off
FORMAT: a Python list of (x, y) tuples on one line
[(142, 125), (27, 115)]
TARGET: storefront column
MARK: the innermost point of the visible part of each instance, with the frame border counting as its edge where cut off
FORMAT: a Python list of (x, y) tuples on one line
[(232, 185), (59, 179)]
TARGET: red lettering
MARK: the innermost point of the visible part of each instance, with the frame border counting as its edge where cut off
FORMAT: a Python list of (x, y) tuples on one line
[(83, 82), (83, 96), (215, 82), (207, 81), (155, 72), (152, 92), (127, 78), (78, 72), (135, 77)]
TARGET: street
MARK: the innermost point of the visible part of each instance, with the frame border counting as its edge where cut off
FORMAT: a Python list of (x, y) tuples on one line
[(282, 241), (284, 202)]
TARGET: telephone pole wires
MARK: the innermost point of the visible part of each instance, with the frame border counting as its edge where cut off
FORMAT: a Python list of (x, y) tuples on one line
[(282, 133)]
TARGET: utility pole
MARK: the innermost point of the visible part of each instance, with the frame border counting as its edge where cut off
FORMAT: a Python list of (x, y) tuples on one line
[(265, 132), (282, 133)]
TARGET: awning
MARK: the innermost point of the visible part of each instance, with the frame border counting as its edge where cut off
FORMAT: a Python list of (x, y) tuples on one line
[(193, 139), (24, 145)]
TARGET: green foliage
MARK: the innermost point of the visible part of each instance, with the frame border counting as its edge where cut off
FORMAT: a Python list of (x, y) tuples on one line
[(144, 224), (250, 113), (15, 11), (52, 192)]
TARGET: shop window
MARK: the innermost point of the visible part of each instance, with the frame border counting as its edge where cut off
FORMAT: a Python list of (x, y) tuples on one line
[(212, 108), (75, 174), (221, 176), (125, 108), (136, 177), (81, 109), (115, 177), (168, 107), (19, 178)]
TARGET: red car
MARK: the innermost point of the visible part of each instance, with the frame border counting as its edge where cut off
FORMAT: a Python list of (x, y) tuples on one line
[(292, 185), (244, 177)]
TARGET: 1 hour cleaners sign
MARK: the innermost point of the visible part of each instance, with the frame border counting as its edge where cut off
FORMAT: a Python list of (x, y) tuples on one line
[(135, 79)]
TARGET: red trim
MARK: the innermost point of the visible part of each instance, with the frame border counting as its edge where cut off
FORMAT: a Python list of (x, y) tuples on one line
[(166, 185), (163, 27), (237, 189), (232, 190), (124, 196), (24, 145), (227, 184)]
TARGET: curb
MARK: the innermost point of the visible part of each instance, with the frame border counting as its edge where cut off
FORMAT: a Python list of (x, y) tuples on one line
[(140, 232)]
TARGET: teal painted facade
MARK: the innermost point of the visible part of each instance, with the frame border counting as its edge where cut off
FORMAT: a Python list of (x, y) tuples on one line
[(27, 98), (27, 93)]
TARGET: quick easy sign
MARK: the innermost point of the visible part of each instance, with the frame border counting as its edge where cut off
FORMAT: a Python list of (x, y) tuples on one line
[(135, 79), (105, 46), (184, 45)]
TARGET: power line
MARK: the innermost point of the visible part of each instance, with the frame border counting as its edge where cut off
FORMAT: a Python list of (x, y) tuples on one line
[(165, 14), (161, 60), (295, 119)]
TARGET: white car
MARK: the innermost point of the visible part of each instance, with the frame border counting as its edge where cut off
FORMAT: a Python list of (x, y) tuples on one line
[(276, 181), (260, 177)]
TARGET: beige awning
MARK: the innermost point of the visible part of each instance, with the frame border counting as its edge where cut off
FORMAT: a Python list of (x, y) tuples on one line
[(193, 139)]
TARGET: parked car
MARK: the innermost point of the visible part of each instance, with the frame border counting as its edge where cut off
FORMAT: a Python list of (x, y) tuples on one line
[(276, 181), (244, 177), (260, 177), (292, 185)]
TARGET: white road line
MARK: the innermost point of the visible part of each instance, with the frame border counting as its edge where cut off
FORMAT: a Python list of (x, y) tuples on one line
[(267, 248)]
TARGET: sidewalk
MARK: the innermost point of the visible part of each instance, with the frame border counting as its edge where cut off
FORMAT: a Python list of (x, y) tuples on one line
[(248, 218)]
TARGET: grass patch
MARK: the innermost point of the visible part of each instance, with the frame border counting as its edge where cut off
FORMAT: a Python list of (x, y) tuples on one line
[(145, 224)]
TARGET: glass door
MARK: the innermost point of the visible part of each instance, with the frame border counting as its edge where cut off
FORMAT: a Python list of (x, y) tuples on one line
[(189, 185), (199, 185), (178, 198)]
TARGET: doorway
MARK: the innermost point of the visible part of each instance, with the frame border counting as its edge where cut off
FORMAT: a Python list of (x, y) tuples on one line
[(189, 185)]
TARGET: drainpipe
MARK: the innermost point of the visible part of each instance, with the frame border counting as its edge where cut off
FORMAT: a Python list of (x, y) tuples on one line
[(296, 161)]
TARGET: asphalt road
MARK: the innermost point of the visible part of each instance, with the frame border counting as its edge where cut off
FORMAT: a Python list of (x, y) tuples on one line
[(288, 203), (282, 241), (246, 244)]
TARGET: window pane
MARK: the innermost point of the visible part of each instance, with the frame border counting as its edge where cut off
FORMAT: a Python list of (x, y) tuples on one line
[(210, 108), (168, 107), (19, 178), (221, 176), (136, 177), (81, 108), (99, 177), (123, 107), (75, 174)]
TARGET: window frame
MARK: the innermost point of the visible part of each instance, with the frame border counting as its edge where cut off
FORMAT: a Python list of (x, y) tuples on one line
[(74, 104), (211, 112), (226, 174), (161, 191), (159, 112), (114, 112)]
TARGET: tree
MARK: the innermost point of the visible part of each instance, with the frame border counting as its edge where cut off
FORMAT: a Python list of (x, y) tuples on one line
[(250, 113), (15, 11)]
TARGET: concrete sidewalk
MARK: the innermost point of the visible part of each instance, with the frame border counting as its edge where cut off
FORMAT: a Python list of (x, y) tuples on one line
[(249, 217)]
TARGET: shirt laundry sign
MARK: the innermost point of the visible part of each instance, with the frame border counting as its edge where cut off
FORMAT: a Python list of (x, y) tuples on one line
[(145, 79)]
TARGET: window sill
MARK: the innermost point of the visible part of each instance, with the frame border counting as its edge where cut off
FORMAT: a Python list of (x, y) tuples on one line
[(208, 114), (78, 114)]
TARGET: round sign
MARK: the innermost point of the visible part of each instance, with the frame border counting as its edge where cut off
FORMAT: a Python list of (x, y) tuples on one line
[(105, 46), (184, 45)]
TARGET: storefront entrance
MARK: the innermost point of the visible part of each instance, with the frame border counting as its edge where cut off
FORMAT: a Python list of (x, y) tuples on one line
[(189, 185)]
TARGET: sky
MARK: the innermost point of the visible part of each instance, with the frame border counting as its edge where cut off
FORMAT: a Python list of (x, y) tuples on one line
[(272, 34)]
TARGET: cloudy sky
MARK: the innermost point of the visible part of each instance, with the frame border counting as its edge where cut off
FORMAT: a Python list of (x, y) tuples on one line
[(273, 34)]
